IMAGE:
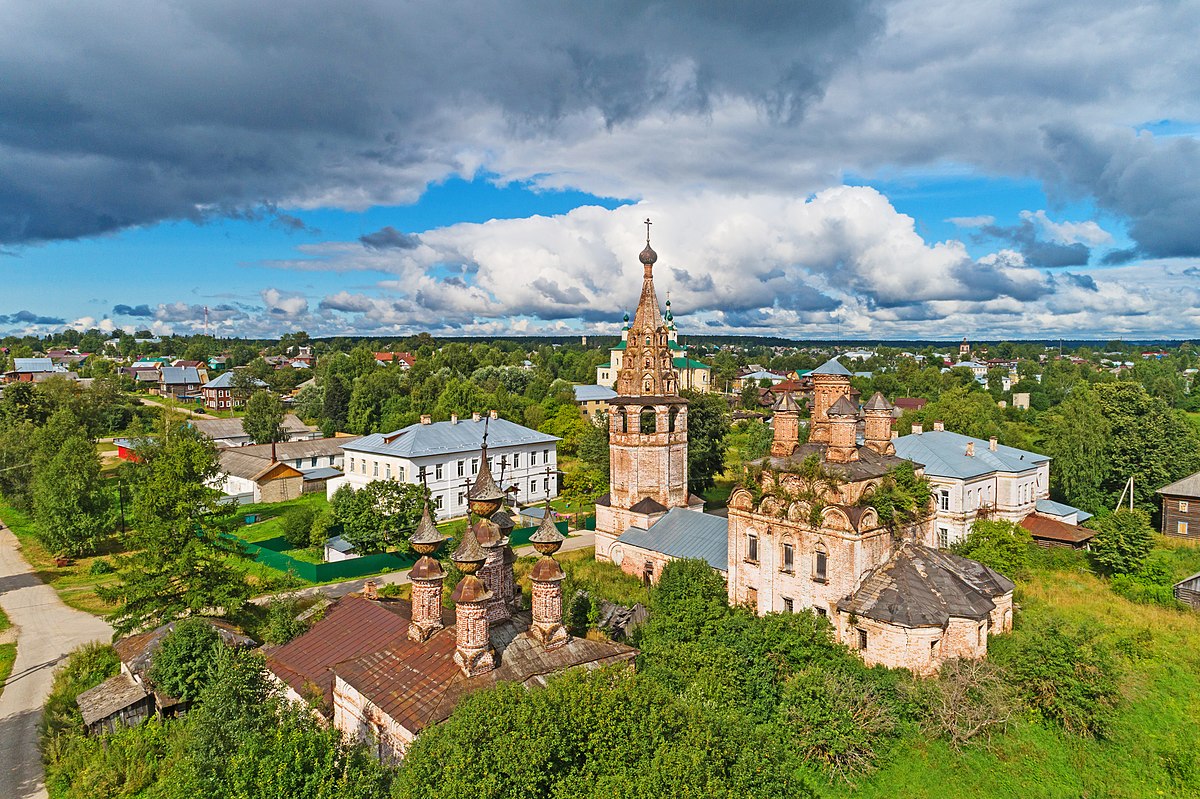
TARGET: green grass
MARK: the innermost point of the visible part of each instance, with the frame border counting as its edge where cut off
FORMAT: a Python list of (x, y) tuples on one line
[(4, 622), (8, 654), (718, 495), (1154, 746), (270, 514), (600, 580), (1194, 417)]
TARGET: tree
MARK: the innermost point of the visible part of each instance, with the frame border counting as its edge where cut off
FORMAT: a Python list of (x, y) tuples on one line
[(1076, 435), (297, 525), (185, 659), (708, 424), (72, 511), (242, 385), (1122, 541), (1003, 546), (336, 404), (379, 515), (264, 418), (180, 564), (282, 624), (593, 446)]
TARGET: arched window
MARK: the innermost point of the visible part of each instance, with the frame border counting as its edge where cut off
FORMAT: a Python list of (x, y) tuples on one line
[(671, 416), (647, 385), (622, 421), (647, 364), (647, 341), (647, 420)]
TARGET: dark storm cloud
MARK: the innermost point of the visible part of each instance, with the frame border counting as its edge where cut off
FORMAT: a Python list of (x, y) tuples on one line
[(132, 310), (292, 224), (388, 238), (30, 318), (1151, 181), (1118, 257), (1024, 238), (126, 114)]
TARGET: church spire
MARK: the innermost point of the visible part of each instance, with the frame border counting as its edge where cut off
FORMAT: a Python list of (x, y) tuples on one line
[(647, 369)]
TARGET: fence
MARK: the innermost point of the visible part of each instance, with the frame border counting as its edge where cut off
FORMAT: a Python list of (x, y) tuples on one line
[(272, 553)]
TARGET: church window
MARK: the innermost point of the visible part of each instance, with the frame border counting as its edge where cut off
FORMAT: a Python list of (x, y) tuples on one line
[(752, 548), (647, 341), (752, 597), (789, 555), (943, 538), (647, 366), (820, 568), (674, 413), (820, 612), (647, 421), (862, 638), (980, 637), (788, 605), (622, 420), (933, 647)]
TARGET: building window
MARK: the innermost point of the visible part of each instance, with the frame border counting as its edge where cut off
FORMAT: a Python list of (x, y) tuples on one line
[(752, 597), (546, 485), (474, 465), (1183, 506), (387, 470), (862, 638), (820, 568), (438, 472), (944, 500), (788, 559), (516, 459), (462, 497), (980, 637), (933, 647), (462, 468), (437, 501), (943, 538), (352, 464), (787, 605), (1181, 528), (532, 487), (375, 469), (970, 499), (298, 462), (545, 456), (752, 548), (820, 612)]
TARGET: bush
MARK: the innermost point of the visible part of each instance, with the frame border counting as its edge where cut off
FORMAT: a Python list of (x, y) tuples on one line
[(1122, 542), (281, 625), (323, 528), (1003, 546), (86, 667), (184, 661), (1067, 675), (971, 699), (100, 566), (297, 525)]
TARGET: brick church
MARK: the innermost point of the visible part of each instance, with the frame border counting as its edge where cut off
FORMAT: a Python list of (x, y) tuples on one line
[(803, 532)]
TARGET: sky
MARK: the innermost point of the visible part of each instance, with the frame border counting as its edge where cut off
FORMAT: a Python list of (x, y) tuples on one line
[(865, 170)]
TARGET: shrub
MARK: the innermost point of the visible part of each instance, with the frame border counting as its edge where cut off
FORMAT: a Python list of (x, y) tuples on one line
[(100, 566), (1122, 542), (183, 663), (971, 699), (579, 613), (1067, 675), (297, 525), (1004, 546), (281, 625), (323, 528), (86, 667)]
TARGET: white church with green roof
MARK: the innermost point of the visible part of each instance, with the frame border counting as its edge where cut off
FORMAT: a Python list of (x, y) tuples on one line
[(693, 375)]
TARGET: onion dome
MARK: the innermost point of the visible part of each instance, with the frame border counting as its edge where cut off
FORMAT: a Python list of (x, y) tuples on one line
[(426, 568), (426, 539), (546, 570), (547, 539), (487, 533), (470, 589), (648, 256), (469, 556), (504, 521)]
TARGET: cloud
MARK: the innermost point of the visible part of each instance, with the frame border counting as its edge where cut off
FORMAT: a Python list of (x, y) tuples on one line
[(132, 310), (1025, 237), (284, 303), (389, 238), (292, 224), (971, 221), (30, 318), (1088, 232)]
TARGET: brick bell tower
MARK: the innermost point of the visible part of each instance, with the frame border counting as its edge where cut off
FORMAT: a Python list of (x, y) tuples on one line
[(647, 425)]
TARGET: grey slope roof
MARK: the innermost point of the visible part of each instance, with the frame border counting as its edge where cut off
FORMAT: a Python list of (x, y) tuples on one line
[(179, 375), (684, 533), (945, 455), (924, 587), (1189, 583), (878, 402), (1052, 508), (843, 407), (1187, 487), (226, 381), (590, 393), (442, 438), (831, 367), (234, 428), (109, 697), (33, 365), (787, 404)]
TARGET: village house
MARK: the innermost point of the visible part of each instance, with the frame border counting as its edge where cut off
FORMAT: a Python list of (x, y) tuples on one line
[(382, 670), (402, 360), (32, 370), (219, 394), (446, 455), (232, 432), (180, 382), (1187, 591), (279, 472), (1181, 507), (593, 400)]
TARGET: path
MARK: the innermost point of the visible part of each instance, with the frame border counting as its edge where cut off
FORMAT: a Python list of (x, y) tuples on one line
[(185, 411), (46, 630), (579, 539)]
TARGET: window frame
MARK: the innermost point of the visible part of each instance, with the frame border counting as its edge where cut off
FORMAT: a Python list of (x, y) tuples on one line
[(821, 566), (787, 558), (751, 548)]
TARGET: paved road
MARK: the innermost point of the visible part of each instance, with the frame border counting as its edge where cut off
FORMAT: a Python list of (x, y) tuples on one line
[(46, 630), (579, 539)]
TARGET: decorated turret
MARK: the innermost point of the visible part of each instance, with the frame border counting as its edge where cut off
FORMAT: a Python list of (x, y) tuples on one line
[(473, 646), (427, 576), (547, 577)]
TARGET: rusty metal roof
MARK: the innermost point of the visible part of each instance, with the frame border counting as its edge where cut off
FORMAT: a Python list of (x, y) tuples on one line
[(136, 651), (1049, 529)]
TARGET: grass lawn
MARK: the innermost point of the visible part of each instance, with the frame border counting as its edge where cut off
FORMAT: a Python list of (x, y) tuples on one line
[(1154, 748), (718, 495), (271, 514), (8, 654), (600, 580), (4, 622)]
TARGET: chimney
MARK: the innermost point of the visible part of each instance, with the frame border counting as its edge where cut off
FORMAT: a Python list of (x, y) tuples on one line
[(895, 434), (970, 449), (426, 419), (939, 426), (274, 459), (493, 415), (475, 417), (369, 590), (992, 443), (454, 418), (917, 429)]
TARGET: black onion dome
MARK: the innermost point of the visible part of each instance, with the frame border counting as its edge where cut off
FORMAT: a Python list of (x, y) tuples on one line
[(648, 256)]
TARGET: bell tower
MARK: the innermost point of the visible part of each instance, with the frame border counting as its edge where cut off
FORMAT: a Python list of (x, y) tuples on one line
[(647, 425)]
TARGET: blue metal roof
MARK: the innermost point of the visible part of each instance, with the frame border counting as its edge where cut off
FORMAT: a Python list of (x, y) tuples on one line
[(831, 367), (588, 393), (176, 375), (444, 438), (33, 365), (684, 533), (944, 454), (339, 544), (1052, 508), (226, 381)]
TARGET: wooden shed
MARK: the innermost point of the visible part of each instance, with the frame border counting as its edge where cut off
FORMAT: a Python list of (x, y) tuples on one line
[(1188, 591)]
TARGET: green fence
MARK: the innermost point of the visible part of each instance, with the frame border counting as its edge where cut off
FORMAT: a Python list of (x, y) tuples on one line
[(271, 552)]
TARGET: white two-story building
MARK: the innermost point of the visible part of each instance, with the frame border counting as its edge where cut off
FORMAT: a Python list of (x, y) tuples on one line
[(970, 475), (523, 461)]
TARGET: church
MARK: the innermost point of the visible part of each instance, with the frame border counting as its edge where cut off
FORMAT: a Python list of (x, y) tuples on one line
[(802, 532)]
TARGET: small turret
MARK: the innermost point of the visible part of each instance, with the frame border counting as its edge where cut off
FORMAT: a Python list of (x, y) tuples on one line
[(843, 424), (546, 578), (877, 432), (473, 646), (427, 576), (786, 427)]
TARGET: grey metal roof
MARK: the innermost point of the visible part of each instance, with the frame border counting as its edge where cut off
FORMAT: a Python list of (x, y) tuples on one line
[(339, 544), (226, 381), (944, 454), (1187, 487), (33, 365), (1189, 583), (179, 375), (534, 512), (1052, 508), (444, 438), (831, 367), (684, 533), (924, 587), (591, 393), (218, 429), (322, 473)]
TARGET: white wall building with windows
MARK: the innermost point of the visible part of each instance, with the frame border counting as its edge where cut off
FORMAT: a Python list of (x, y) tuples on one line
[(448, 453), (970, 475)]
